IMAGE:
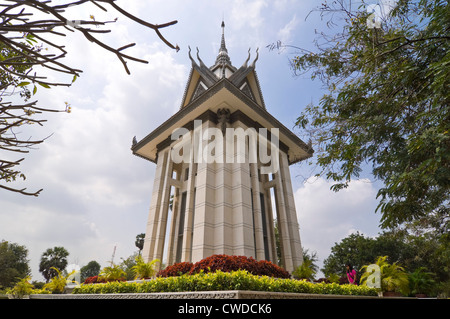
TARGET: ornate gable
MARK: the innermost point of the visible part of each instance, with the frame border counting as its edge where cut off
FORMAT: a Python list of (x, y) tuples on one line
[(202, 78)]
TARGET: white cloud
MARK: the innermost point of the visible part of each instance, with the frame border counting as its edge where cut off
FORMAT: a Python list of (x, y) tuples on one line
[(247, 12), (326, 217), (285, 34)]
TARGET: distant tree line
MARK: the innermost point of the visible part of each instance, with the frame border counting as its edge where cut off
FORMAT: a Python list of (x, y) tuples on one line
[(14, 263)]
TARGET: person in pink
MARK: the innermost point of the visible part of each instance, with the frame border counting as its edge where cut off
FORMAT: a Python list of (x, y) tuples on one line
[(351, 275)]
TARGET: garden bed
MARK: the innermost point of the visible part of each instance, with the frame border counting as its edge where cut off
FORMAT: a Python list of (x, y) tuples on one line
[(240, 280)]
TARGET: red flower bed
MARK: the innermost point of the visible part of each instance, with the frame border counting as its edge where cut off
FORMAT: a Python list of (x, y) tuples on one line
[(177, 269), (226, 263), (98, 280), (93, 280), (266, 268)]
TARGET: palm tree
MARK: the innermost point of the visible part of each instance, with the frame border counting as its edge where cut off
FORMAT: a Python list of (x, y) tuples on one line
[(112, 273), (144, 270), (57, 284), (53, 259), (308, 268), (421, 281), (139, 242), (393, 276)]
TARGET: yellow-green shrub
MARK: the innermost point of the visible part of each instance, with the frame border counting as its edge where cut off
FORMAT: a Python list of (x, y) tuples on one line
[(237, 280)]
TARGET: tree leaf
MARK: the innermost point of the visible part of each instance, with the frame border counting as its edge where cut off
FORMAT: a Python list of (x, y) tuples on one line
[(44, 85)]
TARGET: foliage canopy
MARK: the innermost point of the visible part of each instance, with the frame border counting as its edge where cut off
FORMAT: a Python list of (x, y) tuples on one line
[(13, 263), (387, 104), (52, 261)]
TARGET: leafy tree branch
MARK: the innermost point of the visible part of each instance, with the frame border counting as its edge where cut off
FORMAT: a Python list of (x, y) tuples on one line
[(386, 105)]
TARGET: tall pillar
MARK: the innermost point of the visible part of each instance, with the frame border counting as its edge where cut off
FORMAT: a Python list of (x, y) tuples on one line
[(294, 232), (242, 221), (257, 213), (155, 233), (204, 221), (283, 224), (190, 211), (242, 215), (269, 220), (174, 220), (164, 210), (223, 194)]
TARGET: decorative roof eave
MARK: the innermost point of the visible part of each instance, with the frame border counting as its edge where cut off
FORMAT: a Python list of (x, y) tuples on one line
[(197, 72), (165, 129), (258, 86), (209, 76)]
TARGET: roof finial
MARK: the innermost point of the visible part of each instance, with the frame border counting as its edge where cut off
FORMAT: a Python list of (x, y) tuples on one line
[(223, 57), (256, 59), (223, 47), (190, 57)]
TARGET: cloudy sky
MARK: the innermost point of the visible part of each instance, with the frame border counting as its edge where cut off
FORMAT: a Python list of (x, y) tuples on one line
[(96, 193)]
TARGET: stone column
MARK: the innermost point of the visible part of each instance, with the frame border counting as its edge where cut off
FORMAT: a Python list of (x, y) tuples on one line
[(190, 211), (158, 207), (257, 213), (163, 209), (269, 218), (203, 236), (242, 215), (294, 233), (172, 238), (283, 223), (223, 196)]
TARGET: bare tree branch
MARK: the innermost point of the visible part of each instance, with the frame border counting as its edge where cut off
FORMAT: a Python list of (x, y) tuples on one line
[(26, 26)]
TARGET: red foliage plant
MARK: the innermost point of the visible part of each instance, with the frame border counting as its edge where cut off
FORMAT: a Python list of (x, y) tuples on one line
[(98, 280), (177, 269), (226, 263), (93, 280)]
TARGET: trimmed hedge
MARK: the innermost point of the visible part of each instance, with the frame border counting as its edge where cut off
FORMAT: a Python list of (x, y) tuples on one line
[(235, 280)]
